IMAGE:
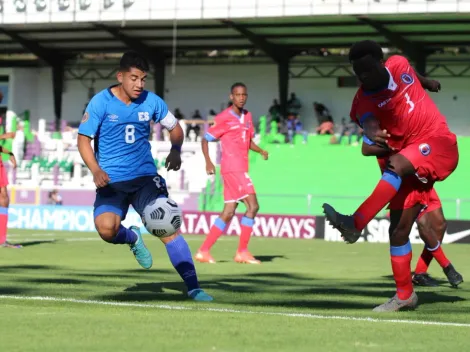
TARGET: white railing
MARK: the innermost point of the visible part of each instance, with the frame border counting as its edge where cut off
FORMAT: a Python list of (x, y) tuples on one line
[(23, 11)]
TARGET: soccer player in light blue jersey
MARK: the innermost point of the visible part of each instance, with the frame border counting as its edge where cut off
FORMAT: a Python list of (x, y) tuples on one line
[(118, 120)]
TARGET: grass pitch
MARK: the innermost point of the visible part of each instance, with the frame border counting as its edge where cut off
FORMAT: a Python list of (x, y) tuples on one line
[(73, 292)]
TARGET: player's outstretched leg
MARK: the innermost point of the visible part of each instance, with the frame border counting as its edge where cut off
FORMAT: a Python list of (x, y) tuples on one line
[(180, 256), (217, 229), (106, 225), (243, 255), (432, 227), (388, 186), (401, 254)]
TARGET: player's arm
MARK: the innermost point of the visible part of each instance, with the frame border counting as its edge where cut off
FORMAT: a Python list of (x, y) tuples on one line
[(254, 147), (429, 84), (170, 122), (12, 156), (373, 134), (8, 135), (213, 134), (402, 64), (86, 132), (374, 149)]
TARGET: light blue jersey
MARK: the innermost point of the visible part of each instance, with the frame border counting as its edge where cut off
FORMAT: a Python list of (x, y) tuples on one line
[(121, 133)]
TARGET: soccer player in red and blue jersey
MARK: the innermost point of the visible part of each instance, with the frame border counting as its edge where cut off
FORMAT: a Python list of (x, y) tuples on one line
[(396, 113), (234, 128)]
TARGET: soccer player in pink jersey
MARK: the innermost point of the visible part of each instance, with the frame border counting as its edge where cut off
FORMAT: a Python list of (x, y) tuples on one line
[(397, 114), (234, 128)]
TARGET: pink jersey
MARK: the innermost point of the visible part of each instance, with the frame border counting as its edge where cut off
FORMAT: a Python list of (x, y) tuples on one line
[(235, 134), (404, 108)]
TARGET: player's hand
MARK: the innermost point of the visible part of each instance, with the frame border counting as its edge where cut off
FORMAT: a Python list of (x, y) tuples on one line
[(100, 178), (264, 154), (13, 161), (173, 160), (210, 168), (434, 86), (380, 137)]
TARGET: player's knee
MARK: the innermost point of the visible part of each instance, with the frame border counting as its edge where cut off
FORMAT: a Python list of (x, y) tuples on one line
[(400, 165), (107, 228), (227, 215), (399, 235), (4, 200), (252, 209)]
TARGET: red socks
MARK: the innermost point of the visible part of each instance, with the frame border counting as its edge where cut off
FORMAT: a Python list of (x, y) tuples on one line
[(401, 261), (439, 255), (218, 228), (426, 257), (423, 261), (247, 228), (386, 189), (3, 224), (214, 233)]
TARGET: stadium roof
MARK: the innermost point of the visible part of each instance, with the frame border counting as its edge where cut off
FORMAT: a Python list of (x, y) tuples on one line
[(279, 38)]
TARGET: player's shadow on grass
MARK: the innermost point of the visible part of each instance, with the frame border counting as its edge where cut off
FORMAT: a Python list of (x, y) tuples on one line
[(441, 282), (28, 267), (35, 243), (261, 258), (269, 258), (434, 297), (150, 292), (54, 281), (13, 291)]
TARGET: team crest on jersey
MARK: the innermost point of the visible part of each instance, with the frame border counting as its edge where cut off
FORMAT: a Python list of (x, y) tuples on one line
[(425, 149), (85, 117), (406, 78)]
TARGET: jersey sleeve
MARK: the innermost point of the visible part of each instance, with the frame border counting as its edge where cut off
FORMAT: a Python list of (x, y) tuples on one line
[(92, 118), (398, 65), (252, 127), (162, 115), (217, 130)]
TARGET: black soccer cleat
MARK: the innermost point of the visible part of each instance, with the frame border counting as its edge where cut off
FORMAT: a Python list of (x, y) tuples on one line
[(455, 279), (343, 223), (425, 280)]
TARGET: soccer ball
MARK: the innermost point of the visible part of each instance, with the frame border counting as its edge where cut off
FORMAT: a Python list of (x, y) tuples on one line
[(162, 217)]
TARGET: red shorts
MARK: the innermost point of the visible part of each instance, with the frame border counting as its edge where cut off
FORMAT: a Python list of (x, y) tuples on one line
[(413, 191), (237, 185), (3, 176), (434, 158)]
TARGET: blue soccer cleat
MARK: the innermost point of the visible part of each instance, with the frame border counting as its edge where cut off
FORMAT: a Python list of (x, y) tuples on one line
[(141, 253), (199, 295)]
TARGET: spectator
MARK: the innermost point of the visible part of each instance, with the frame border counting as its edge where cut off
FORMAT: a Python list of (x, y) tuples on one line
[(323, 114), (178, 114), (294, 126), (54, 198), (350, 129), (294, 105), (275, 111), (194, 126)]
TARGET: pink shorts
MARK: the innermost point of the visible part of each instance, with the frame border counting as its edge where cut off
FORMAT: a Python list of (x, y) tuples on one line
[(237, 185)]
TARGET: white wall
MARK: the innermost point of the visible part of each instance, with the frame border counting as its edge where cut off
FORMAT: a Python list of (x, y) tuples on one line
[(206, 87), (25, 93)]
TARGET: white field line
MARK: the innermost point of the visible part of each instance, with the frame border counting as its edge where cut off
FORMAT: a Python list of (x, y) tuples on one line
[(230, 311)]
